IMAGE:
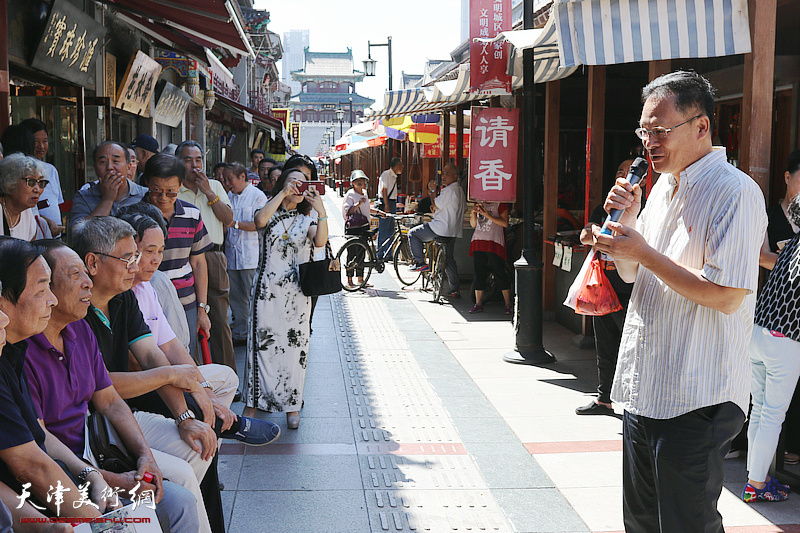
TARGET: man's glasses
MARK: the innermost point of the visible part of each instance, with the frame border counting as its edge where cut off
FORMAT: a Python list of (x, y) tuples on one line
[(659, 132), (129, 262), (168, 194), (33, 182)]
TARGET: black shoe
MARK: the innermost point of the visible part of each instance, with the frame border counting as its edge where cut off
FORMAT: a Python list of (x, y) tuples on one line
[(238, 396), (594, 408)]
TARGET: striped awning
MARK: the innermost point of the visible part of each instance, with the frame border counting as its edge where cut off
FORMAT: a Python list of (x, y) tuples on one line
[(546, 64), (606, 32)]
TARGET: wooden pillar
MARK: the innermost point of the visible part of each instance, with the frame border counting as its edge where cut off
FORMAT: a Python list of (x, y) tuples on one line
[(80, 137), (460, 137), (659, 68), (5, 106), (551, 141), (446, 138), (595, 135), (759, 70)]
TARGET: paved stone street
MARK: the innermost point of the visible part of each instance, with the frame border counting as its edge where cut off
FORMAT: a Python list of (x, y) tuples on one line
[(412, 422)]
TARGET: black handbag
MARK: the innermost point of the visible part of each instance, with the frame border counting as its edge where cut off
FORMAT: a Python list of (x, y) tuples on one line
[(356, 220), (318, 278), (107, 446)]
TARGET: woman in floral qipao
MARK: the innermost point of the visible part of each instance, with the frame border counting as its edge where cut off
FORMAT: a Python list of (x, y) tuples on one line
[(277, 343)]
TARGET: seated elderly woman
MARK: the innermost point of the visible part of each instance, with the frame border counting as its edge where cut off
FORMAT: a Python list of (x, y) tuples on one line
[(21, 185)]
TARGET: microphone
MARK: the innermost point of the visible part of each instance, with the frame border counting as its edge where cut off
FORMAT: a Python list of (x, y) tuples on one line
[(635, 175)]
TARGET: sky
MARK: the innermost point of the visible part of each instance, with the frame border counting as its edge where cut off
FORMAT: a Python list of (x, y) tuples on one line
[(420, 30)]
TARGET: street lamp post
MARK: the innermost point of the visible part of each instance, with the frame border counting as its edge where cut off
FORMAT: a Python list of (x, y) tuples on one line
[(369, 63), (351, 110), (528, 348), (339, 117), (369, 70)]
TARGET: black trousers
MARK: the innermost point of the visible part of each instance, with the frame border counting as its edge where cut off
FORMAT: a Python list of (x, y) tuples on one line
[(485, 262), (672, 469), (359, 271), (607, 336)]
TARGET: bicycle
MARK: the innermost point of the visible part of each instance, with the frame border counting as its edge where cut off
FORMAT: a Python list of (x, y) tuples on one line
[(433, 278), (358, 254)]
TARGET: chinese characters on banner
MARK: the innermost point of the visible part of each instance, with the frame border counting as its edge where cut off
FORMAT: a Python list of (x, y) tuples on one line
[(138, 83), (171, 106), (295, 135), (488, 62), (435, 150), (282, 115), (493, 154), (70, 44)]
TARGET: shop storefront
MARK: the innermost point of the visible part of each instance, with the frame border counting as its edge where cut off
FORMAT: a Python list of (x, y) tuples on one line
[(53, 67)]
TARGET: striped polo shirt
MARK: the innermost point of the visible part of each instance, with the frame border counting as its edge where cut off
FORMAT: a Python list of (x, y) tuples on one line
[(186, 236), (677, 356)]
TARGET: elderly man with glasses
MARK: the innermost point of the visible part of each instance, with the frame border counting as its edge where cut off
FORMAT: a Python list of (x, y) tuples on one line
[(683, 369)]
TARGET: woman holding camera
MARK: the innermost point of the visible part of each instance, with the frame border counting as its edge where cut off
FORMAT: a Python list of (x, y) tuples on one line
[(277, 343), (488, 250)]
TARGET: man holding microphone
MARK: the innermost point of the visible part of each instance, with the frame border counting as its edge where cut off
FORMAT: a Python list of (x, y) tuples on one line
[(683, 370)]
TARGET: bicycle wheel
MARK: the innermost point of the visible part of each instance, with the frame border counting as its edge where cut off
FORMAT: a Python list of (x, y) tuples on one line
[(404, 263), (438, 274), (355, 256)]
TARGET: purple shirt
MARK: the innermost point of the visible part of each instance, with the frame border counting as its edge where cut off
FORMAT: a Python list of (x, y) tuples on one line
[(62, 385)]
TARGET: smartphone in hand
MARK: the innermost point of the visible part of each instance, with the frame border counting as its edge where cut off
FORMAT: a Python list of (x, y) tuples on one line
[(305, 185)]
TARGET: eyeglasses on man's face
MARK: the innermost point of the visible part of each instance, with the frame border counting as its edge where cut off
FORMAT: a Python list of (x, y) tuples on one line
[(129, 261), (660, 132), (155, 193), (33, 182)]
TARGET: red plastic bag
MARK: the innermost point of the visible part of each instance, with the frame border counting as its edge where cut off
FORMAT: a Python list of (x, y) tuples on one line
[(596, 296)]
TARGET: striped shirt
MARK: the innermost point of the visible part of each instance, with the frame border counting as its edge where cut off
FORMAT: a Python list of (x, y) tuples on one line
[(677, 356), (186, 236)]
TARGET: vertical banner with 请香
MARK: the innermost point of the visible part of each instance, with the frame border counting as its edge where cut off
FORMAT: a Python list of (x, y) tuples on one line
[(493, 154), (488, 61)]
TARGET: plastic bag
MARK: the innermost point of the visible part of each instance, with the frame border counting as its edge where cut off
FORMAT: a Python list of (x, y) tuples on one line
[(591, 293)]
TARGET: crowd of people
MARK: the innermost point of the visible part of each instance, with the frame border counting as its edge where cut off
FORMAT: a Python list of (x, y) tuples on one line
[(107, 314)]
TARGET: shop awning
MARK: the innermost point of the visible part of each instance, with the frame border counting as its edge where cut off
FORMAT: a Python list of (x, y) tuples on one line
[(190, 47), (211, 23), (546, 64), (606, 32), (264, 120)]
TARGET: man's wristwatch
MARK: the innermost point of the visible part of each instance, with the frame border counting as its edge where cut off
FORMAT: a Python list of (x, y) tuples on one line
[(185, 416), (85, 472), (204, 307), (236, 225)]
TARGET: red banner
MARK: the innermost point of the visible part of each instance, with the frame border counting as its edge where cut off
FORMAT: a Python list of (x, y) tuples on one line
[(488, 62), (493, 154), (433, 151)]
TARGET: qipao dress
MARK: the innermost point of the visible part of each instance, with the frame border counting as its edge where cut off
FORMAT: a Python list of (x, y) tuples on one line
[(279, 328)]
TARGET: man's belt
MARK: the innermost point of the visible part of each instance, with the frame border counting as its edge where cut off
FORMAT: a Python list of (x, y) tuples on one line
[(217, 248)]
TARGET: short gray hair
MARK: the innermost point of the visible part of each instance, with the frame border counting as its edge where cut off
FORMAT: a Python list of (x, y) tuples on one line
[(99, 234), (189, 144), (16, 166)]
